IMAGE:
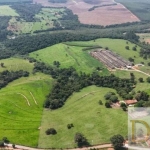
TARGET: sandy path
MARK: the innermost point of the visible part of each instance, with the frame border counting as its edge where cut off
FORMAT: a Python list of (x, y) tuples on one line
[(25, 98), (33, 98)]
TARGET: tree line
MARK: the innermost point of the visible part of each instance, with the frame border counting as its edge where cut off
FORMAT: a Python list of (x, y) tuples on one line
[(69, 81), (27, 11), (8, 76), (3, 27)]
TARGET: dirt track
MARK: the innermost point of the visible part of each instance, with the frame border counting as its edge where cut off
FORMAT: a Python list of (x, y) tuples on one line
[(20, 147)]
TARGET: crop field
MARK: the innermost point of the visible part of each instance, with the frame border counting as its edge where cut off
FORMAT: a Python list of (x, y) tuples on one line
[(69, 56), (138, 7), (94, 121), (112, 14), (5, 10), (44, 20)]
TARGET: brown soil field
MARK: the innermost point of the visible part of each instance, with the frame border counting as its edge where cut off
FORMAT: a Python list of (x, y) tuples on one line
[(104, 15)]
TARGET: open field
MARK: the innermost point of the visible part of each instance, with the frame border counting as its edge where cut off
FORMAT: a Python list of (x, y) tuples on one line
[(87, 116), (138, 7), (21, 103), (5, 10), (44, 20), (20, 116), (15, 64), (144, 37), (114, 14), (69, 56), (116, 45)]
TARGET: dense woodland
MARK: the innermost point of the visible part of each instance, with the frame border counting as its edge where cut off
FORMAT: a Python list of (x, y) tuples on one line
[(3, 27), (9, 76), (27, 11), (69, 81)]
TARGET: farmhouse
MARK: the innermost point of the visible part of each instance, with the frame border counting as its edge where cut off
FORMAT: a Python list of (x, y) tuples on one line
[(130, 102), (110, 59)]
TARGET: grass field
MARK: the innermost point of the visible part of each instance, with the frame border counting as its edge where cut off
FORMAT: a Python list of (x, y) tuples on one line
[(69, 56), (20, 121), (96, 122), (5, 10), (15, 64), (21, 103), (44, 20), (138, 7)]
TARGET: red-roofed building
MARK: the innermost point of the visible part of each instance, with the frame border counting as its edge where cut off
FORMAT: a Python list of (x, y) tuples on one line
[(130, 102)]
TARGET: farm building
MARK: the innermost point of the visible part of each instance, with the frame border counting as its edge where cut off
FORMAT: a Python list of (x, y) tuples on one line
[(130, 102), (110, 59)]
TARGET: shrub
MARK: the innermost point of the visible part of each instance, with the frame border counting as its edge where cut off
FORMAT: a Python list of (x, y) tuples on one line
[(51, 131)]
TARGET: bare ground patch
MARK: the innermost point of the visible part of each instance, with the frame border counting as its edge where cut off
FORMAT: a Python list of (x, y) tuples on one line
[(106, 15)]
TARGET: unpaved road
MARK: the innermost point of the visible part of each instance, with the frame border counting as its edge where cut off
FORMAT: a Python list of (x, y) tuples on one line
[(86, 148)]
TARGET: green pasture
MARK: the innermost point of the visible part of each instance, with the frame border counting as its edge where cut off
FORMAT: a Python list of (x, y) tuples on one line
[(138, 7), (20, 121), (5, 10), (15, 64), (43, 20), (94, 121), (69, 56)]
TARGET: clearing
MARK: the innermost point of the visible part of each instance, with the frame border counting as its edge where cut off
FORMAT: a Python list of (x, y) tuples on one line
[(5, 10), (44, 20), (105, 14), (87, 116)]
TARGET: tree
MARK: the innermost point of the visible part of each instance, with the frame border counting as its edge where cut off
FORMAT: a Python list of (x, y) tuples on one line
[(148, 79), (140, 79), (80, 140), (2, 65), (131, 59), (127, 47), (107, 105), (117, 141), (100, 102), (1, 143), (51, 131), (5, 140), (134, 48), (114, 98), (13, 146)]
